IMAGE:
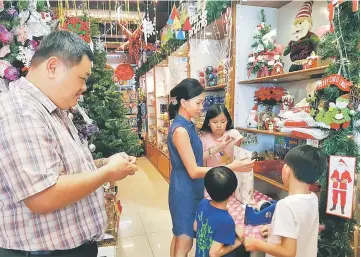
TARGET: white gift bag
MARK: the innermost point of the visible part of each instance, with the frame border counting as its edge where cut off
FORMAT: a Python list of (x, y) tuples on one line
[(244, 191)]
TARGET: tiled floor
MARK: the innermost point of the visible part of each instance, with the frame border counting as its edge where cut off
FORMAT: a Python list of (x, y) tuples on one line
[(145, 224)]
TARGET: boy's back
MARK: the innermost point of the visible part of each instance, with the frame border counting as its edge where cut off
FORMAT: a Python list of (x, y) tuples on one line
[(296, 216), (213, 224)]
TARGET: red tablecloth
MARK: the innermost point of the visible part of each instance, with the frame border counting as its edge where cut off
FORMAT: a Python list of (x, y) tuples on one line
[(236, 210)]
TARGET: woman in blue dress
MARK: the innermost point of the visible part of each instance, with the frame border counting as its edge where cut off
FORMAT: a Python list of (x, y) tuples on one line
[(186, 187)]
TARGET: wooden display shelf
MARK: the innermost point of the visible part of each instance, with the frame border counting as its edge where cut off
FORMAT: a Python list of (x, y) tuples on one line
[(267, 132), (163, 96), (289, 77), (165, 154), (270, 181), (215, 88), (163, 119)]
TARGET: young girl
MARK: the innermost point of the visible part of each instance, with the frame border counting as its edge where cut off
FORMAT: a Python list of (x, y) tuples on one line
[(186, 187), (218, 136)]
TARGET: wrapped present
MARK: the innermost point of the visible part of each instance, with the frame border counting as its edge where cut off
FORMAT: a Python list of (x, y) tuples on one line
[(259, 216)]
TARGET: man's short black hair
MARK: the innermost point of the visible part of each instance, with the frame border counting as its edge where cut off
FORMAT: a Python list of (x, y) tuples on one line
[(220, 182), (307, 163), (65, 45)]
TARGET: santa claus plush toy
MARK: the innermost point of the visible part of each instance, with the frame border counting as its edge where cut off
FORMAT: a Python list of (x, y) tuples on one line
[(303, 42)]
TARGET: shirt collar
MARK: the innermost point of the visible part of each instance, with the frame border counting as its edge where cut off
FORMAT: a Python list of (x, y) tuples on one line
[(35, 92)]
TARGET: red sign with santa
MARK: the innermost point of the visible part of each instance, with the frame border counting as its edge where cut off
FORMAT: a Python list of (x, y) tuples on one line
[(340, 188)]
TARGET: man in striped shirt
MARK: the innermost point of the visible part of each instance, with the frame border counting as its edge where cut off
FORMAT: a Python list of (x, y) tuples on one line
[(51, 196)]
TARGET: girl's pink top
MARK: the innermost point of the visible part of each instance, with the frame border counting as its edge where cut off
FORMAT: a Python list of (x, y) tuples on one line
[(209, 142)]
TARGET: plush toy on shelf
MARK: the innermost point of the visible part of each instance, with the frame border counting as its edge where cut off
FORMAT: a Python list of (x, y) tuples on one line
[(303, 42), (342, 118)]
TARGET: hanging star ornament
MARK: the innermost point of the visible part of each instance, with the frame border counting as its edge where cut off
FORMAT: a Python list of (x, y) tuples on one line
[(134, 43), (148, 28)]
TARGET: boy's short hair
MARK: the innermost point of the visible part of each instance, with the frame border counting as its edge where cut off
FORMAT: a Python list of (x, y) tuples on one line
[(220, 182), (307, 163)]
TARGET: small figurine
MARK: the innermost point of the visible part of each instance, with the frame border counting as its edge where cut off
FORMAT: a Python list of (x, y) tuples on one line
[(252, 121), (342, 118), (287, 101)]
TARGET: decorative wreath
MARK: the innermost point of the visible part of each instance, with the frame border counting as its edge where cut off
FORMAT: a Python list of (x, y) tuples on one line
[(78, 26), (124, 71)]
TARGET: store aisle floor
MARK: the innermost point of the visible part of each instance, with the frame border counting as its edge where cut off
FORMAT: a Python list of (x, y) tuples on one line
[(145, 225)]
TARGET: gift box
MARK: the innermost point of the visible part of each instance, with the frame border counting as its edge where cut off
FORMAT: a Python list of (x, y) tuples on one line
[(254, 217)]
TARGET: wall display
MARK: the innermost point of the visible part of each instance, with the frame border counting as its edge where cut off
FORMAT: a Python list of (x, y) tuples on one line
[(341, 186)]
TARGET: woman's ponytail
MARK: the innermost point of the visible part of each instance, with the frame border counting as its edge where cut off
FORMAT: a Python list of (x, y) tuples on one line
[(173, 110)]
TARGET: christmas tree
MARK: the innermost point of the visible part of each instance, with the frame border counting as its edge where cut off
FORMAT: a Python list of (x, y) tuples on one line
[(344, 46), (103, 102), (263, 55)]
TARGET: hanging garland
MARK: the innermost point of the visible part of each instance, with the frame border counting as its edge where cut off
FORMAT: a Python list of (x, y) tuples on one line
[(171, 46)]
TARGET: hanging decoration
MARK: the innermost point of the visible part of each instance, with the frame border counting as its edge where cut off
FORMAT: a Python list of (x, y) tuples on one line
[(124, 71), (341, 182), (148, 28), (78, 26), (134, 43), (177, 26)]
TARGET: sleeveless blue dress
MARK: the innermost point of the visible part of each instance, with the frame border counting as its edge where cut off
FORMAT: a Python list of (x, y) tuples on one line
[(184, 193)]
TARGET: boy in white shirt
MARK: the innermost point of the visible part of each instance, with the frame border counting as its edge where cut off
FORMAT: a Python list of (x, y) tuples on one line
[(295, 223)]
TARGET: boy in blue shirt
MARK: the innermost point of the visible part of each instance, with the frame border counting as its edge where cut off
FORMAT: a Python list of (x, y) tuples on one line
[(217, 234)]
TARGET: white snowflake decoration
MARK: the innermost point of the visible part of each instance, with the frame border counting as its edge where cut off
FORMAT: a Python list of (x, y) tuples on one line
[(148, 28), (25, 55), (100, 45)]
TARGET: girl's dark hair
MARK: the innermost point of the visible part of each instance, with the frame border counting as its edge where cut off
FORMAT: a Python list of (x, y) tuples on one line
[(214, 111), (186, 89)]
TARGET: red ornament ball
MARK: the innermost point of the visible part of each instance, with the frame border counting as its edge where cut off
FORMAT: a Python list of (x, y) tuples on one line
[(124, 71)]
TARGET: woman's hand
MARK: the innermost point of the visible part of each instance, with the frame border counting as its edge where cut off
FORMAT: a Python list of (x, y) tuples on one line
[(241, 166), (225, 142)]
